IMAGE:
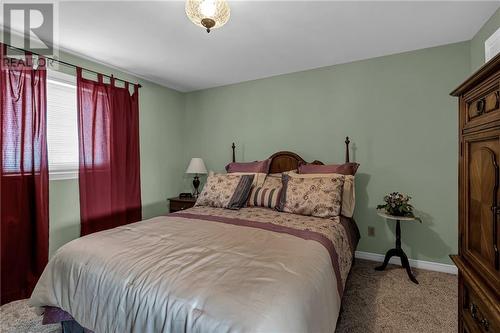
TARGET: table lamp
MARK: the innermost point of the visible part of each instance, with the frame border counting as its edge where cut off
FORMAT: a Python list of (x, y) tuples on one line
[(196, 166)]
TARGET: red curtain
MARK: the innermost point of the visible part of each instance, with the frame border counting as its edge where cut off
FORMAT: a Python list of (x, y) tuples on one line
[(108, 133), (24, 177)]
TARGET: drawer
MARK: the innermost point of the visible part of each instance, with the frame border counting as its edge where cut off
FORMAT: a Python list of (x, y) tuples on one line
[(482, 105), (477, 317), (180, 205), (469, 327)]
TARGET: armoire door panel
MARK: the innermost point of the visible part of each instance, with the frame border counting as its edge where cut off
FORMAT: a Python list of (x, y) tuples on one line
[(481, 234)]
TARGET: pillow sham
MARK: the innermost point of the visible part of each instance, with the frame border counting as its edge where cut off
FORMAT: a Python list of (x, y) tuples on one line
[(225, 191), (258, 168), (315, 196), (278, 174), (267, 195), (343, 169), (273, 181), (258, 179), (255, 167), (348, 193)]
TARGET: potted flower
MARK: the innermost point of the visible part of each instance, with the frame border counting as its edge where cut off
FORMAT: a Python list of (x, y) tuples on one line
[(397, 204)]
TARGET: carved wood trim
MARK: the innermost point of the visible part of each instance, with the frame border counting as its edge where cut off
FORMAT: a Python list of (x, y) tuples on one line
[(482, 73)]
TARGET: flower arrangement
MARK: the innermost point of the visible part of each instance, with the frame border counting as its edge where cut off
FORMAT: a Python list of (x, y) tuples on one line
[(397, 204)]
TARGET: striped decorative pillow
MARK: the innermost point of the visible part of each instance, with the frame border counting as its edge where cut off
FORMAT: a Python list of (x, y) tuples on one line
[(264, 197)]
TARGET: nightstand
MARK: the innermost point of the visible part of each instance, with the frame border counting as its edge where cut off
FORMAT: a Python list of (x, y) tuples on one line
[(398, 251), (177, 204)]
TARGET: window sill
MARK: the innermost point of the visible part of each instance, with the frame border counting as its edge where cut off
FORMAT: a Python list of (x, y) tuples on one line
[(62, 175)]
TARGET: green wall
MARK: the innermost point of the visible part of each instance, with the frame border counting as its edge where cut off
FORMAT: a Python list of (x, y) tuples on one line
[(398, 113), (161, 116), (397, 110), (477, 43)]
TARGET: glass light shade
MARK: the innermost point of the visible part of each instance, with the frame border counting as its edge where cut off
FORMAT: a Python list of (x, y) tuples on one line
[(197, 166), (208, 14)]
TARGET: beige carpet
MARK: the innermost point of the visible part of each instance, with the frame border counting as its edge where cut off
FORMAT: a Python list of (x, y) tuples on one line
[(373, 302), (18, 317), (389, 302)]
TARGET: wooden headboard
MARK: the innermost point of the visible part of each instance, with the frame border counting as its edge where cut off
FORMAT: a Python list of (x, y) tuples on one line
[(283, 161)]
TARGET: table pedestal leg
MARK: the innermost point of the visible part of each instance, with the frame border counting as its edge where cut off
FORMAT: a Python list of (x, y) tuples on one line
[(398, 252)]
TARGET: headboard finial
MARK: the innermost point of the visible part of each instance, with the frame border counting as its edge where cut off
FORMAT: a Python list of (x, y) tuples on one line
[(347, 141), (233, 146)]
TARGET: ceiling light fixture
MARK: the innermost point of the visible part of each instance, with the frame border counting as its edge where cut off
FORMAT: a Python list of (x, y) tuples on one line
[(208, 14)]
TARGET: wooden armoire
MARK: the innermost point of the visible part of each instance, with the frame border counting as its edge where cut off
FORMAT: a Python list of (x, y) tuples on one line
[(479, 201)]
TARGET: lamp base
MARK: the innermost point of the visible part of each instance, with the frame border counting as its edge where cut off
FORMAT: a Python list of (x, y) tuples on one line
[(196, 184)]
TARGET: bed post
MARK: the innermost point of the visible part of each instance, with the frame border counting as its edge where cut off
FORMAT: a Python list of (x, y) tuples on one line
[(347, 141), (234, 156)]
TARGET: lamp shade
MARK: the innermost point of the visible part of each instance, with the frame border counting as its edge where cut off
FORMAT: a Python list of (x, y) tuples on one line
[(196, 166), (208, 14)]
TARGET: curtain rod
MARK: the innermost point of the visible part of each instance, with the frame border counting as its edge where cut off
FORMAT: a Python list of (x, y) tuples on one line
[(71, 65)]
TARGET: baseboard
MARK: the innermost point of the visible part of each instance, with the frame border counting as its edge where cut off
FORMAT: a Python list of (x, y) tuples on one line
[(422, 264)]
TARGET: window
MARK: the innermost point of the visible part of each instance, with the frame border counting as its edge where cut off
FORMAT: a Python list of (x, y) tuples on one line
[(62, 128)]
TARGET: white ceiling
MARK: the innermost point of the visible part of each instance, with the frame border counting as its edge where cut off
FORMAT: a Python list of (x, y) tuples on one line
[(155, 40)]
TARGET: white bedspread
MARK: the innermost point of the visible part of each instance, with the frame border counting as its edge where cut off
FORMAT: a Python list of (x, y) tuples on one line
[(172, 274)]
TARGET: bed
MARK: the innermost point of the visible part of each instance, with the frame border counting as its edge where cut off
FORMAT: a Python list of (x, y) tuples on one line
[(205, 269)]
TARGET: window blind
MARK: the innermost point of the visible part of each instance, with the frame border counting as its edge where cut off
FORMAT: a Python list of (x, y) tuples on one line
[(62, 130)]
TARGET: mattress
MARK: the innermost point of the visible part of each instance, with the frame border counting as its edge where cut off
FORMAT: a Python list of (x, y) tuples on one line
[(203, 270)]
